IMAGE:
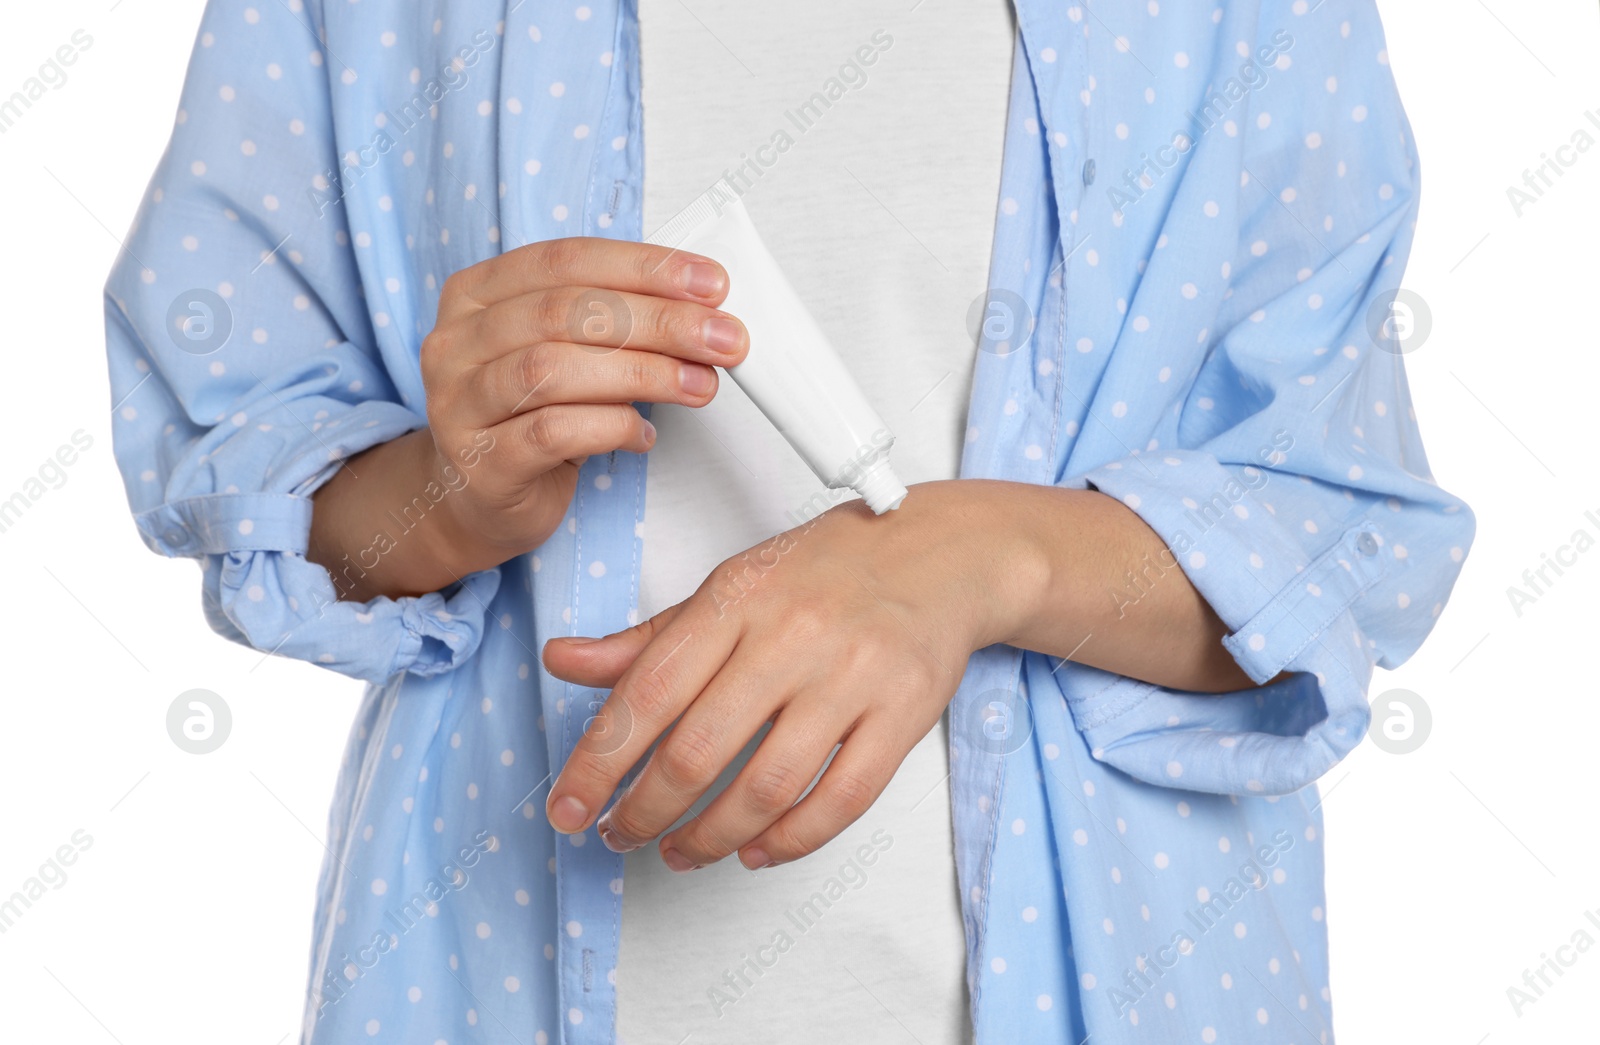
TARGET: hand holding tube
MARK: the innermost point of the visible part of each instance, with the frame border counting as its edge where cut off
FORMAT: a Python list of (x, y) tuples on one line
[(532, 367)]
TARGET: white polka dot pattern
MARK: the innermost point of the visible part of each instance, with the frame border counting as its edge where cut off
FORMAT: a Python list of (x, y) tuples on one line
[(1200, 211)]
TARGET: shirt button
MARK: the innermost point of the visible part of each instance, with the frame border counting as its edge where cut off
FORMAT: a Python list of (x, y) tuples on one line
[(1367, 544), (176, 538), (1088, 172)]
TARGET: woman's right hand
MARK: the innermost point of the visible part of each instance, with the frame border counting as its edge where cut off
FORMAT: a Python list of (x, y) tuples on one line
[(533, 364)]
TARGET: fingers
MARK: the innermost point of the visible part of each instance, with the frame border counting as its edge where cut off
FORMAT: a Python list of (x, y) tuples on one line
[(599, 663), (546, 437), (689, 759), (669, 673), (555, 372), (586, 315), (854, 779), (639, 268), (783, 766)]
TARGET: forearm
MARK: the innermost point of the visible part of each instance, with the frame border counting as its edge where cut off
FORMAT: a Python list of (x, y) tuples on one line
[(383, 525), (1094, 583)]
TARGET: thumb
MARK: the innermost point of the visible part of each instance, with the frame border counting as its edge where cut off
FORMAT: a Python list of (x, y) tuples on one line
[(599, 663)]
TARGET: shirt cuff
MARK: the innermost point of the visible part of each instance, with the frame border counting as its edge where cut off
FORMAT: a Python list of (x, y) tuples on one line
[(280, 603), (1286, 598), (261, 591)]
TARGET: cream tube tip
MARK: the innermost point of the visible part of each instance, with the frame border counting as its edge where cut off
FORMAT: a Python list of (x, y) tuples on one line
[(880, 487)]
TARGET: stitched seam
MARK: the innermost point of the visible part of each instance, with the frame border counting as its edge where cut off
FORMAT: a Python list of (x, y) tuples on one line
[(564, 854), (620, 69), (1283, 604), (981, 915), (1061, 343), (1312, 634), (595, 152), (1097, 717), (1295, 588)]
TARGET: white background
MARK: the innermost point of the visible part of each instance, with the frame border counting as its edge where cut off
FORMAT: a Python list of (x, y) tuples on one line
[(1451, 869)]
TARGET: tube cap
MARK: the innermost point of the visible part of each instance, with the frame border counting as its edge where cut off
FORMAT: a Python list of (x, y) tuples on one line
[(880, 487)]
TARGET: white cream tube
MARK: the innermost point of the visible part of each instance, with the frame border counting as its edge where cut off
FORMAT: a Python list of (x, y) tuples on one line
[(792, 374)]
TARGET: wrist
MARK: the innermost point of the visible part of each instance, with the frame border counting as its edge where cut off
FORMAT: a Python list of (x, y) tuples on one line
[(987, 537), (1015, 539), (453, 543), (389, 523)]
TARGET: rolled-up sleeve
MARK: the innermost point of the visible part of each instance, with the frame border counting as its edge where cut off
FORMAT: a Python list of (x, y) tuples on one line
[(245, 364), (1296, 497)]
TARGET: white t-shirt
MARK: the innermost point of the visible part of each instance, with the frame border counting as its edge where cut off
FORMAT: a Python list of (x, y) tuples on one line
[(879, 202)]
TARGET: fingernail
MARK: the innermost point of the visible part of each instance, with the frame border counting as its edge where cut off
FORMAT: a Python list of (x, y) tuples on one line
[(578, 640), (722, 334), (649, 434), (701, 278), (677, 861), (755, 858), (695, 379), (609, 838), (567, 814)]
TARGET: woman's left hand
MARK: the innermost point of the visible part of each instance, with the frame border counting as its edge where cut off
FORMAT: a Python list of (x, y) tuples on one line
[(849, 630), (855, 630)]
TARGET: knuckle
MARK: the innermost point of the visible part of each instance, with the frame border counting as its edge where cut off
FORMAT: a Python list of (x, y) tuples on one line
[(592, 775), (651, 697), (560, 258), (647, 266), (774, 788), (851, 792), (806, 623), (641, 376), (699, 843), (689, 755), (626, 821), (860, 656), (672, 323), (454, 286), (434, 353), (548, 433), (784, 843), (550, 314), (885, 659), (536, 367), (624, 425)]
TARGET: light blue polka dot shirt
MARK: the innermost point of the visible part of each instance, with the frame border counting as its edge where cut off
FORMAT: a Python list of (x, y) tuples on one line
[(1204, 214)]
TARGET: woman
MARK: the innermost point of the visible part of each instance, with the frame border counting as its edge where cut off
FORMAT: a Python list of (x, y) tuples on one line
[(387, 343)]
